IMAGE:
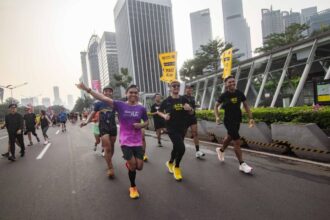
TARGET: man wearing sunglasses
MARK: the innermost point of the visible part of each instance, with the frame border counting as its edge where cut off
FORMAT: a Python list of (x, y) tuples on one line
[(175, 109)]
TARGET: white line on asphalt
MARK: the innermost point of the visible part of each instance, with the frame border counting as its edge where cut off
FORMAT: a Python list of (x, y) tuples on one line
[(58, 131), (3, 137), (43, 151)]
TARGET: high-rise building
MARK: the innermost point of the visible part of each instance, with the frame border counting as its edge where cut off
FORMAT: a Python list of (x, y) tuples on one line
[(93, 62), (70, 101), (272, 22), (307, 13), (144, 28), (319, 21), (45, 102), (108, 59), (57, 99), (84, 79), (201, 28), (290, 18), (236, 28)]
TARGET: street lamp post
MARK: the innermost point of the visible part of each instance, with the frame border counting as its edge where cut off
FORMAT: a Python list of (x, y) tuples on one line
[(11, 87)]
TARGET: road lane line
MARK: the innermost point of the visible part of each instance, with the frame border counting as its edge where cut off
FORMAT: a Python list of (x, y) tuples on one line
[(3, 137), (58, 131), (43, 151)]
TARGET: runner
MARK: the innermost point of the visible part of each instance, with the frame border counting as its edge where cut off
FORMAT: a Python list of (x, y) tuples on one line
[(231, 101), (45, 122), (14, 124), (192, 121), (95, 128), (175, 110), (30, 125), (107, 128), (130, 114), (63, 118), (159, 122)]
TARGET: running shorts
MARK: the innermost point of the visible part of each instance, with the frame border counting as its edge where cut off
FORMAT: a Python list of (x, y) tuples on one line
[(232, 129), (129, 152), (95, 129)]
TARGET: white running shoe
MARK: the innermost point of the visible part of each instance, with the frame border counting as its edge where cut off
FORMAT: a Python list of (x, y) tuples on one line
[(46, 142), (200, 154), (245, 168), (221, 155)]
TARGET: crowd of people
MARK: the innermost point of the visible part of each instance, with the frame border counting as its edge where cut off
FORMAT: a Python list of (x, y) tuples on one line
[(173, 115)]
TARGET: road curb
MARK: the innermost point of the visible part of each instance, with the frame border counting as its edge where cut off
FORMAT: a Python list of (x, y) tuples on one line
[(325, 165)]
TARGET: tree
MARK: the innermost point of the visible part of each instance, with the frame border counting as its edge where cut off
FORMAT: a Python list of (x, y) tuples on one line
[(11, 100), (292, 34), (123, 79), (82, 103), (207, 58), (324, 28)]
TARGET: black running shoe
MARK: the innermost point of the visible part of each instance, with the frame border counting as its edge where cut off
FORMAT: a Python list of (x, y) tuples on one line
[(5, 154), (22, 153), (11, 158)]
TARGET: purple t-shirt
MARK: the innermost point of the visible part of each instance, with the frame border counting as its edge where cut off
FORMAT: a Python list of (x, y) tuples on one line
[(127, 116)]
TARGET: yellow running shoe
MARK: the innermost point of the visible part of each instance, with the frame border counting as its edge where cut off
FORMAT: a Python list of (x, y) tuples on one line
[(170, 166), (145, 158), (133, 193), (177, 174)]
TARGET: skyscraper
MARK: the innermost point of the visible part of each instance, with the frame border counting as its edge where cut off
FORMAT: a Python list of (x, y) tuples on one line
[(319, 21), (307, 13), (84, 68), (272, 22), (57, 99), (108, 59), (144, 28), (93, 62), (290, 18), (236, 28), (201, 28)]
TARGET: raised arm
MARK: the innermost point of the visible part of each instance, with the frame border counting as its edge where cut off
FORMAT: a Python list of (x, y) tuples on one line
[(96, 95)]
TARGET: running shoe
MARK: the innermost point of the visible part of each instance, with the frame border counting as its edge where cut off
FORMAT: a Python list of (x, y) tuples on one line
[(46, 142), (177, 174), (169, 166), (5, 154), (221, 155), (30, 144), (22, 153), (200, 154), (245, 168), (133, 193), (12, 158), (145, 158), (111, 173), (160, 145), (95, 147)]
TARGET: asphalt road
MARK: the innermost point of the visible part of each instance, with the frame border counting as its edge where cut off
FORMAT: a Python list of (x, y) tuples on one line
[(70, 182)]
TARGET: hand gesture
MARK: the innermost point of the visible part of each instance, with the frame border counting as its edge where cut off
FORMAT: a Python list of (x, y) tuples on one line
[(83, 124), (82, 86), (187, 107), (19, 131), (138, 125), (167, 117)]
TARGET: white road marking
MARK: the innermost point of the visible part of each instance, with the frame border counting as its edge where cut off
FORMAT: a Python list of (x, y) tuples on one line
[(58, 131), (3, 137), (43, 151)]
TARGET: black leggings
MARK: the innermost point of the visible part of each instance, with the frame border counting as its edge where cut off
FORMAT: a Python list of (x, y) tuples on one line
[(177, 138), (12, 140)]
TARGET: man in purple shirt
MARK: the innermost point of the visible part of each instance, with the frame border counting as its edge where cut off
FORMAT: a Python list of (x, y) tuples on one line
[(130, 114)]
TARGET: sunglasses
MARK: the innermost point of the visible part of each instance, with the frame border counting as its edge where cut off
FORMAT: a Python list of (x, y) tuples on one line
[(176, 86)]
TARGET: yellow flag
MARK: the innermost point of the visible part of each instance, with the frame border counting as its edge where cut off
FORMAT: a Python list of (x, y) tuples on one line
[(168, 62), (227, 60)]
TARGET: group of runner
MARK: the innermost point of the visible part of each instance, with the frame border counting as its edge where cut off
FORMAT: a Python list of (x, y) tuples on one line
[(176, 113)]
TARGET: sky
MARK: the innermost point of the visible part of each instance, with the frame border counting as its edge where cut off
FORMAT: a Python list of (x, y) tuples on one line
[(41, 40)]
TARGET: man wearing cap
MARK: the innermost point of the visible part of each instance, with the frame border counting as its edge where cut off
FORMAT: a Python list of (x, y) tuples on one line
[(14, 125), (192, 120), (107, 127), (30, 125)]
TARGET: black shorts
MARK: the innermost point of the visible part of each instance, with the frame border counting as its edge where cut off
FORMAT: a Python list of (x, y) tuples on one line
[(192, 120), (159, 124), (30, 128), (63, 122), (129, 152), (232, 129), (106, 129)]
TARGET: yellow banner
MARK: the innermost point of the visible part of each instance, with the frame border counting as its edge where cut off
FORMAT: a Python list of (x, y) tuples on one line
[(227, 60), (168, 62)]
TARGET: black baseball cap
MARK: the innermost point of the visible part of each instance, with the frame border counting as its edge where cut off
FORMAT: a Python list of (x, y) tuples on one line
[(12, 105), (190, 86)]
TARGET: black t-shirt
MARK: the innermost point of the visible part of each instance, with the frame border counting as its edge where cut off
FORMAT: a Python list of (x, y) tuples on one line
[(30, 119), (178, 116), (44, 122), (14, 122), (154, 108), (231, 103), (192, 103)]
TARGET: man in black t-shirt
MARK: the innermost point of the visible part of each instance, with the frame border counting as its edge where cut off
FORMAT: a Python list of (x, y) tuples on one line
[(192, 120), (175, 109), (159, 122), (231, 101), (30, 125)]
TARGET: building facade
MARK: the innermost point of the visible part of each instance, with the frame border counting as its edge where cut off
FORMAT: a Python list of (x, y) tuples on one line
[(319, 20), (271, 23), (57, 99), (108, 59), (144, 28), (93, 63), (201, 28), (236, 28)]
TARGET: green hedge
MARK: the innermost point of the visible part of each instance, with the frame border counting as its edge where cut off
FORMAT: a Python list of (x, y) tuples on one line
[(304, 114)]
